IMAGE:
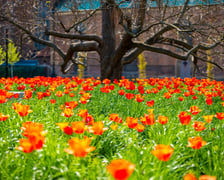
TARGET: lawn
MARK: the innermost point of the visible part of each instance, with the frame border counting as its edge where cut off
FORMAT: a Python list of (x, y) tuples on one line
[(72, 128)]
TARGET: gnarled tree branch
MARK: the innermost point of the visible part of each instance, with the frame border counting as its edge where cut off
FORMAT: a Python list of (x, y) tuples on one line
[(77, 47), (75, 36), (34, 38)]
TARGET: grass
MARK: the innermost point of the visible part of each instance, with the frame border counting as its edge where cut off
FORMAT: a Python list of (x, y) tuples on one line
[(52, 162)]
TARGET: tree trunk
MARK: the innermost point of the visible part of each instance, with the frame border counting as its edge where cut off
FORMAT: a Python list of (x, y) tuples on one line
[(108, 34), (115, 69)]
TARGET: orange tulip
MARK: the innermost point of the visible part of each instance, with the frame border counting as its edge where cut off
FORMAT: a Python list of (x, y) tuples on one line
[(181, 98), (139, 98), (83, 113), (150, 111), (40, 95), (163, 152), (113, 127), (79, 147), (59, 93), (28, 94), (98, 128), (195, 110), (208, 118), (106, 81), (22, 110), (190, 177), (115, 118), (220, 115), (105, 89), (32, 127), (150, 103), (53, 101), (196, 142), (148, 91), (67, 112), (21, 87), (89, 120), (198, 126), (25, 146), (132, 122), (140, 128), (71, 104), (177, 91), (155, 91), (186, 94), (3, 117), (52, 88), (3, 99), (2, 91), (150, 119), (209, 100), (129, 96), (130, 85), (47, 93), (62, 125), (35, 134), (78, 127), (71, 94), (66, 91), (36, 139), (9, 95), (194, 97), (167, 95), (162, 119), (87, 87), (68, 130), (141, 89), (184, 118), (86, 95), (121, 92), (15, 105), (83, 100), (16, 95), (143, 120), (120, 169), (192, 92)]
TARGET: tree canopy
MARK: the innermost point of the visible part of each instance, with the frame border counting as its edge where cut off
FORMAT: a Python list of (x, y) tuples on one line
[(13, 54)]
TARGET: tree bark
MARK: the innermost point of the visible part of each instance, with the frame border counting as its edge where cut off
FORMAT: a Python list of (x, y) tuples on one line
[(108, 35)]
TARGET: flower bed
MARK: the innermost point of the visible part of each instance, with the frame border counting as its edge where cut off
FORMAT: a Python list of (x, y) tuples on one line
[(73, 128)]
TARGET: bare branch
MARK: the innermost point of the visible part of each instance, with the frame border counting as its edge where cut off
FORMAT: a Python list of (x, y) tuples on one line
[(85, 46), (75, 36), (152, 39), (34, 38), (172, 41), (78, 47), (77, 23), (205, 75), (131, 56), (205, 60), (184, 9), (72, 63), (145, 46), (138, 24)]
